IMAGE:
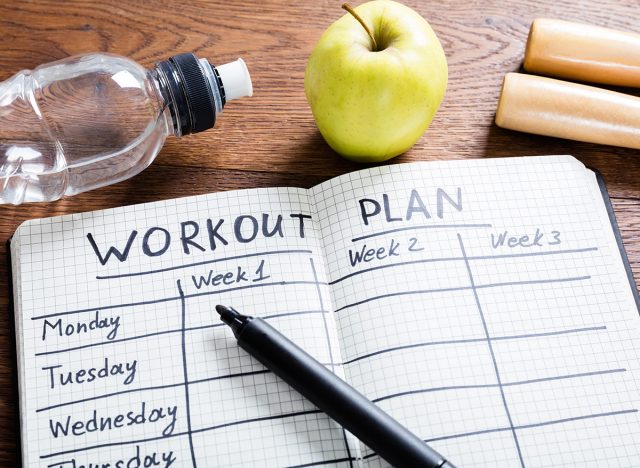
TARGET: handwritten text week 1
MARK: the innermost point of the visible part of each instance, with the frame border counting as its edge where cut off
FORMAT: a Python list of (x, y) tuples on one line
[(246, 228)]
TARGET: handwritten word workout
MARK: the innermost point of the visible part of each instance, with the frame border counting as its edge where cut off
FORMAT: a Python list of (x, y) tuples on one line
[(519, 345)]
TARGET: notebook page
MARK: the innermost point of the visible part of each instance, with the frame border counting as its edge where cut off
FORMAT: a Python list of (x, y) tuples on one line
[(125, 363), (485, 305)]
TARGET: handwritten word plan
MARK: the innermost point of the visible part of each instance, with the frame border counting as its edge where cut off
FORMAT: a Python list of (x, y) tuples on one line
[(485, 304)]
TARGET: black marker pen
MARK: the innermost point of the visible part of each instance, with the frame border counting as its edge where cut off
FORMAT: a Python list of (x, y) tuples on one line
[(375, 428)]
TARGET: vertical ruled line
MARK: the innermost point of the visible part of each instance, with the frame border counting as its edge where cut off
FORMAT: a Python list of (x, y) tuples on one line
[(324, 316), (326, 332), (493, 356), (185, 373)]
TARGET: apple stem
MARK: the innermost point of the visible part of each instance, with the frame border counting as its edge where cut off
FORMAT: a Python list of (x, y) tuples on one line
[(353, 13)]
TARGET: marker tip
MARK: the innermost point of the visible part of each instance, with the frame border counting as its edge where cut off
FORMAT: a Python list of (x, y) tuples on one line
[(228, 314), (221, 309)]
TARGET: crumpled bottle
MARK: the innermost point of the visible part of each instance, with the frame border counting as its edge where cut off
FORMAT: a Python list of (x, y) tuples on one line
[(96, 119)]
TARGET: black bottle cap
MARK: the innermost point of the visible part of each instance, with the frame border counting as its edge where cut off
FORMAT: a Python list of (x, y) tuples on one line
[(191, 92)]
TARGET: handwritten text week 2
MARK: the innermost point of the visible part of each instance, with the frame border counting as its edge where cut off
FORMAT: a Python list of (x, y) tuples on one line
[(195, 236)]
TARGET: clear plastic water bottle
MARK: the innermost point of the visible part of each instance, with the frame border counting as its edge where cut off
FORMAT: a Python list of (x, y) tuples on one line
[(93, 120)]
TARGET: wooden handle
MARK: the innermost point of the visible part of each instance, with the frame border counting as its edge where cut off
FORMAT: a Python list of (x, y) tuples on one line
[(545, 106), (583, 52)]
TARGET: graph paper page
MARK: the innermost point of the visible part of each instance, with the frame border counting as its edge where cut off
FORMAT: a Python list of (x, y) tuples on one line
[(123, 361), (485, 305)]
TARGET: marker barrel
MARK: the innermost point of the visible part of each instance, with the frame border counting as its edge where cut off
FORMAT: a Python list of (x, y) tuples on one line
[(339, 400)]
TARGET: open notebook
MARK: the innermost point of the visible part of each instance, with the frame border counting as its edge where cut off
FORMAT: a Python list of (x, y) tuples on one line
[(520, 344)]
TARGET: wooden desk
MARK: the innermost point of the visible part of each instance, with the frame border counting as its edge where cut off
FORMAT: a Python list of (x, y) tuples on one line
[(271, 139)]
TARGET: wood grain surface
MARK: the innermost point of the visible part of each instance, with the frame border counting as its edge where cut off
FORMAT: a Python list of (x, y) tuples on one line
[(271, 139)]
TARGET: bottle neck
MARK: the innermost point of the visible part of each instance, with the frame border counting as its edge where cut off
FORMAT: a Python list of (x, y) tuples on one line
[(192, 91), (215, 84)]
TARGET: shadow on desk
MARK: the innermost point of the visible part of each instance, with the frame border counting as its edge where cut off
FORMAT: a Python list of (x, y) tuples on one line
[(620, 167)]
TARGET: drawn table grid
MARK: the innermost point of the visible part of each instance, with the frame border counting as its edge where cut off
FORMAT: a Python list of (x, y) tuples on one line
[(516, 430), (183, 299)]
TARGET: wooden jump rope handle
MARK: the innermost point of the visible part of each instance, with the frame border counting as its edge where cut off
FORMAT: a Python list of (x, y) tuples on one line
[(561, 109), (582, 52), (556, 108)]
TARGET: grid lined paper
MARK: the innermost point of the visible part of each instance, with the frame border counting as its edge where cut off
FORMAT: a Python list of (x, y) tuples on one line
[(492, 346), (515, 353)]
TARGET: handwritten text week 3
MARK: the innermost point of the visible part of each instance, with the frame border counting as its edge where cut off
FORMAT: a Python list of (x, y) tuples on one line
[(194, 236)]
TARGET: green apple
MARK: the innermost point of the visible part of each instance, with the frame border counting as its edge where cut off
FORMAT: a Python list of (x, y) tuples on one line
[(373, 101)]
